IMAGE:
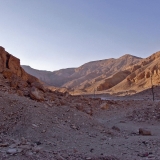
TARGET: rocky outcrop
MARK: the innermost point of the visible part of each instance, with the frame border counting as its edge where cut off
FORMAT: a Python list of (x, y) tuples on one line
[(10, 65), (19, 80)]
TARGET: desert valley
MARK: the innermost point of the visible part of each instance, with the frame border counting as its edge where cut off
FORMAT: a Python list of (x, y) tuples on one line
[(103, 110), (114, 76)]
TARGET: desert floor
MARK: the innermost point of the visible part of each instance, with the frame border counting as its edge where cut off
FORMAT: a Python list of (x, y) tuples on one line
[(32, 130)]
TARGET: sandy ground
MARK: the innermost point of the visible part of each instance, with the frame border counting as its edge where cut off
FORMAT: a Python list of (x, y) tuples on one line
[(34, 130)]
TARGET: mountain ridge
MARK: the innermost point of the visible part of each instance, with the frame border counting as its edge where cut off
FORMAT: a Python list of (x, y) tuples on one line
[(85, 75)]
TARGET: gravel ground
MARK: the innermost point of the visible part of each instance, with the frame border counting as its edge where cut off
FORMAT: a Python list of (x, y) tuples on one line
[(35, 130)]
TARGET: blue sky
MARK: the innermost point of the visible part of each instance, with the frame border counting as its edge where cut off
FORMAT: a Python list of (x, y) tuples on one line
[(55, 34)]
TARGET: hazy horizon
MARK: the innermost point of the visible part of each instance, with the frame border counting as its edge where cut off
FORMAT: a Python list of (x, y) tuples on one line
[(57, 34)]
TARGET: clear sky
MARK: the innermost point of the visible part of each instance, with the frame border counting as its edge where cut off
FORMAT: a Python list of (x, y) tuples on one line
[(55, 34)]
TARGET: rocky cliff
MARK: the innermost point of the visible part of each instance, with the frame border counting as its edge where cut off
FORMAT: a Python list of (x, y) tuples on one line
[(10, 66), (20, 82)]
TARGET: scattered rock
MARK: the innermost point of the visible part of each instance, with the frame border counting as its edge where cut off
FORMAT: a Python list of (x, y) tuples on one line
[(144, 132), (36, 149), (12, 151), (116, 128), (143, 154), (20, 93), (36, 94), (104, 106), (4, 144)]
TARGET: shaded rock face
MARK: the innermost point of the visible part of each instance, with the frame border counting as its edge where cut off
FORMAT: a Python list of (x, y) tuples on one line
[(19, 80), (3, 59), (10, 65)]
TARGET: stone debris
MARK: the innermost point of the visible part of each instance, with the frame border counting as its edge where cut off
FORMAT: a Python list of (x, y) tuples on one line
[(104, 106), (4, 144), (116, 128), (144, 132), (12, 151)]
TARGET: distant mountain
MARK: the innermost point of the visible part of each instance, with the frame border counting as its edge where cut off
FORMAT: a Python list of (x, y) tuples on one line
[(90, 74), (142, 75), (56, 78)]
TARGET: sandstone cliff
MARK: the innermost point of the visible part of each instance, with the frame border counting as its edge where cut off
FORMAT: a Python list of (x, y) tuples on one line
[(20, 82), (10, 66)]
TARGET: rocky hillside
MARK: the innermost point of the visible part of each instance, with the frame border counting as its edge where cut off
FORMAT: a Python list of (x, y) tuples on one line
[(14, 80), (127, 75), (85, 75), (13, 76), (10, 67), (142, 75)]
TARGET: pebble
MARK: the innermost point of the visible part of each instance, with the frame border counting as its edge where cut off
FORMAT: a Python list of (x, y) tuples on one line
[(4, 145), (144, 132), (36, 149), (12, 151)]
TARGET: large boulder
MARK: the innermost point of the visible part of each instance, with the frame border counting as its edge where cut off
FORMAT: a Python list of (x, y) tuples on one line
[(36, 94)]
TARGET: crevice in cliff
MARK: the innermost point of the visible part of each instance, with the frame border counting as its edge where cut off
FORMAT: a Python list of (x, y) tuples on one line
[(7, 60)]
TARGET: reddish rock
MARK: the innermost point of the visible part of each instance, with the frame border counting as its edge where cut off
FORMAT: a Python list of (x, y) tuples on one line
[(14, 65), (7, 73), (14, 84), (144, 132), (22, 84), (3, 59), (36, 94), (20, 93), (10, 65), (31, 79), (104, 106)]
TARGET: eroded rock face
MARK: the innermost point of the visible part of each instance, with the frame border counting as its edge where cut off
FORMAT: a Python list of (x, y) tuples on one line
[(19, 80), (7, 73), (10, 65), (3, 59), (13, 64)]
